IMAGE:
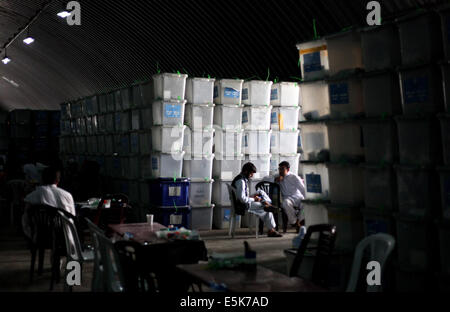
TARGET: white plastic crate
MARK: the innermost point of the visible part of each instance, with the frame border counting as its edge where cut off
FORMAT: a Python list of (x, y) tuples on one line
[(101, 104), (315, 213), (168, 139), (137, 96), (110, 102), (148, 96), (314, 59), (228, 92), (131, 167), (147, 118), (227, 169), (380, 47), (101, 144), (199, 117), (315, 143), (124, 148), (200, 90), (135, 143), (220, 196), (346, 142), (346, 97), (257, 93), (198, 142), (109, 144), (146, 167), (118, 121), (222, 216), (285, 94), (445, 69), (346, 184), (256, 118), (344, 51), (380, 141), (262, 164), (418, 140), (284, 118), (134, 194), (136, 120), (316, 181), (110, 126), (126, 98), (117, 101), (386, 103), (444, 240), (65, 111), (284, 142), (198, 166), (125, 121), (94, 124), (169, 86), (228, 143), (101, 119), (293, 160), (445, 191), (202, 218), (315, 99), (257, 142), (348, 220), (421, 89), (145, 142), (168, 113), (144, 194), (92, 145), (228, 116), (420, 38), (200, 192), (417, 190), (167, 165), (380, 180)]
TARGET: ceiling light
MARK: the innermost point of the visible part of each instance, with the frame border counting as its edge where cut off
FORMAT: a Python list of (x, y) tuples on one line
[(6, 60), (28, 40), (64, 14)]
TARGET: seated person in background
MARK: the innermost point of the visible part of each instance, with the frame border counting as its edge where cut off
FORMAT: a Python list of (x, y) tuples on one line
[(32, 170), (48, 194), (253, 203), (292, 192)]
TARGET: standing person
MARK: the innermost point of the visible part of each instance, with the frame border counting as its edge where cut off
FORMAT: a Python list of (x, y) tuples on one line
[(293, 191), (252, 203)]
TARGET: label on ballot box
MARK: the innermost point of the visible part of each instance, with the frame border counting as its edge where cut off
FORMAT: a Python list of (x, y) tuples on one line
[(172, 111), (176, 219), (174, 191)]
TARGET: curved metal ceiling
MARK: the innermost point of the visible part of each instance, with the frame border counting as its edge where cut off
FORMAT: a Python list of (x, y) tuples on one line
[(121, 42)]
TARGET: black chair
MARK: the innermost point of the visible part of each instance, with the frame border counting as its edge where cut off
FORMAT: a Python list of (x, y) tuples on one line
[(116, 214), (323, 252), (273, 190)]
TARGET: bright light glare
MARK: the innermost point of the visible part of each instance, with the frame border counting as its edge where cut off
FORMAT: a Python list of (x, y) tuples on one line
[(6, 60), (64, 14), (28, 40)]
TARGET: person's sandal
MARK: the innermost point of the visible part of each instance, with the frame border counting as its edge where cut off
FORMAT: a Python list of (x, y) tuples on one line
[(274, 234)]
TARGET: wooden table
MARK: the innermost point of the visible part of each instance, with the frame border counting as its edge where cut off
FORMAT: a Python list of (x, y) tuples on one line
[(143, 233), (261, 280)]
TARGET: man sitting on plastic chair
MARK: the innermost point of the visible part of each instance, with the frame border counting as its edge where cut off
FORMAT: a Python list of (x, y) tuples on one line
[(293, 192), (258, 204)]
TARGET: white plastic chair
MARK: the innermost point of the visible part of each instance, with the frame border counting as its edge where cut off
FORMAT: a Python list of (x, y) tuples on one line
[(232, 194), (381, 246)]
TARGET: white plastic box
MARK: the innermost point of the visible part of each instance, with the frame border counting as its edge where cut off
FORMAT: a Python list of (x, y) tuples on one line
[(110, 124), (380, 47), (445, 69), (227, 169), (101, 119), (421, 89), (257, 93), (109, 144), (344, 51), (315, 213), (168, 139), (220, 196), (200, 193), (293, 160), (228, 92), (169, 86), (315, 100), (168, 113), (198, 142), (137, 96), (65, 111), (228, 116), (257, 142), (346, 184), (222, 216), (314, 137), (345, 140), (284, 118), (380, 141), (418, 140), (131, 167), (126, 98), (134, 143), (386, 103), (348, 221), (202, 218), (199, 117), (167, 165), (256, 118), (285, 94), (380, 188), (445, 130), (284, 142), (262, 164), (316, 181), (124, 148), (117, 100), (111, 102), (92, 145), (420, 38), (346, 97), (135, 120), (146, 167), (314, 59), (125, 121), (200, 90), (147, 91), (228, 143), (101, 144), (145, 143), (147, 118), (198, 166)]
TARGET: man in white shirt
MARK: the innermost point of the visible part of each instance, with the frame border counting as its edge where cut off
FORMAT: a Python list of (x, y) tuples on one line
[(48, 194), (252, 204), (293, 191)]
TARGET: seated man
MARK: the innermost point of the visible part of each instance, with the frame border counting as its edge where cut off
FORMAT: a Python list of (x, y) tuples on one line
[(253, 203), (48, 194), (292, 191)]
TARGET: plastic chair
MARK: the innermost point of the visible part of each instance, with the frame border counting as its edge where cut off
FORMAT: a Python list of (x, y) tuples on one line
[(232, 194), (73, 246), (273, 190), (324, 249), (98, 274), (381, 246), (17, 189)]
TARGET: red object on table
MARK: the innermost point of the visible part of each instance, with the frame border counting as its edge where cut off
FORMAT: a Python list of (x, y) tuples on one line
[(142, 232)]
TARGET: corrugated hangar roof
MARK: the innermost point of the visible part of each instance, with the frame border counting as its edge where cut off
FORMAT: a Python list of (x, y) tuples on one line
[(120, 42)]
